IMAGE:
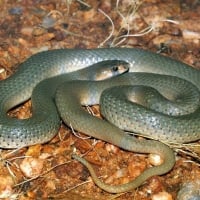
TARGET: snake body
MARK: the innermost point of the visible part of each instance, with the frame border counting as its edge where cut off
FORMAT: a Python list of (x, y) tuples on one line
[(116, 96), (45, 67), (18, 88)]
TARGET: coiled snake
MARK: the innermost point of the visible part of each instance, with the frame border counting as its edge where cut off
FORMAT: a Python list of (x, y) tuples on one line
[(45, 121)]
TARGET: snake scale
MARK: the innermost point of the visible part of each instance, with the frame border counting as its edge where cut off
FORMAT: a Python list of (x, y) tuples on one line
[(44, 67)]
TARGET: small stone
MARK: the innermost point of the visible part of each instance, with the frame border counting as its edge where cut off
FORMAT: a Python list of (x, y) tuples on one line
[(6, 186), (155, 159), (32, 167), (162, 196)]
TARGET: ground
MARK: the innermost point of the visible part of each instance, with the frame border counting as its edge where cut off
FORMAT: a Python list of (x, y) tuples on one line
[(47, 171)]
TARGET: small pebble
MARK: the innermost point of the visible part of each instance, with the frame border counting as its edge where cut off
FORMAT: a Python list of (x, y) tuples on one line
[(155, 159), (162, 196), (120, 173), (2, 70), (6, 184), (16, 11), (32, 167), (111, 148), (27, 30), (190, 191), (48, 22), (191, 35)]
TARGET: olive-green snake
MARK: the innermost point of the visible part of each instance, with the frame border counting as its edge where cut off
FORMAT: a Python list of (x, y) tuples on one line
[(44, 125)]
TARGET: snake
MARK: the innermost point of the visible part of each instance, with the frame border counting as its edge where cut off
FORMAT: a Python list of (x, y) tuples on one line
[(47, 70)]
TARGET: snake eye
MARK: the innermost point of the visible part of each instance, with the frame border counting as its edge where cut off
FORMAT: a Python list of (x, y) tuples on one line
[(115, 68)]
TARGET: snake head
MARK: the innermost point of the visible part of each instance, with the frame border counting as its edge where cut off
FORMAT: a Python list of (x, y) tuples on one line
[(110, 68)]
